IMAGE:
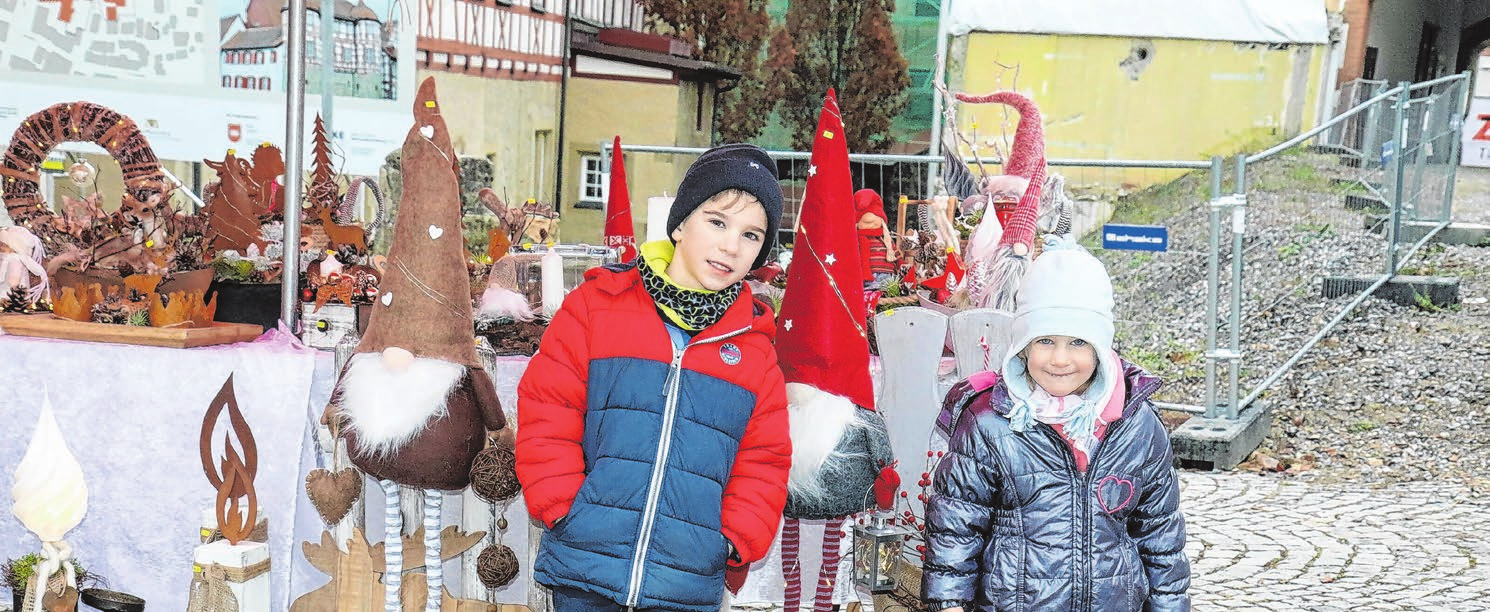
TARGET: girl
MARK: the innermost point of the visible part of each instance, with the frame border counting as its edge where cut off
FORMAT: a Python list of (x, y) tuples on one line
[(1058, 491)]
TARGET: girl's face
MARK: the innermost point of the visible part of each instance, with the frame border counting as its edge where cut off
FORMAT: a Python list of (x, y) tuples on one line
[(718, 242), (1061, 365)]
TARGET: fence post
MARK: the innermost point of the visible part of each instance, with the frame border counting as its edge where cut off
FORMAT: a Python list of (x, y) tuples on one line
[(1413, 206), (1213, 289), (1399, 173), (1238, 232), (1456, 143)]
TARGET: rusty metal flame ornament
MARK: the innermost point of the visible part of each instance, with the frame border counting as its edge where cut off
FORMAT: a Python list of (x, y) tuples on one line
[(235, 480), (231, 520)]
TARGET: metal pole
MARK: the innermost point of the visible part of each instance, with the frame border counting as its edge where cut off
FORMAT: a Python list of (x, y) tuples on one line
[(1399, 170), (564, 111), (289, 298), (1456, 123), (1420, 160), (1238, 232), (328, 60), (1212, 289), (936, 98)]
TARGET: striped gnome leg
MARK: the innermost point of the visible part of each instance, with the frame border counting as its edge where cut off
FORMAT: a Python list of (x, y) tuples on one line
[(393, 547), (827, 575), (791, 567), (434, 568)]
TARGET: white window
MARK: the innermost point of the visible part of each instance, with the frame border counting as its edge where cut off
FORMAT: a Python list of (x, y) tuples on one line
[(592, 183)]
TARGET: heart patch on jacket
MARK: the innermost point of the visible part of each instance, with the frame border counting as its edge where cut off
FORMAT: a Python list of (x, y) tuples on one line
[(1114, 493)]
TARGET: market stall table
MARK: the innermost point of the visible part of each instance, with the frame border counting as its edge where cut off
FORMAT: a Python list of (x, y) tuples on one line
[(132, 416)]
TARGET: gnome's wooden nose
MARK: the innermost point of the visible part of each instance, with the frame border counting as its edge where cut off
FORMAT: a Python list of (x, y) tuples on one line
[(397, 359)]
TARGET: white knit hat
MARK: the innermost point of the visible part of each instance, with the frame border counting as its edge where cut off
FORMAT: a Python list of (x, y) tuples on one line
[(1065, 293)]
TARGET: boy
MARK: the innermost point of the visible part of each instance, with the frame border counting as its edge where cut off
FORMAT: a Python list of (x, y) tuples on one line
[(652, 427)]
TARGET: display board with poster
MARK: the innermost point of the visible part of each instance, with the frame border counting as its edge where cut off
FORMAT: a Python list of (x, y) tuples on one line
[(181, 69), (1477, 134)]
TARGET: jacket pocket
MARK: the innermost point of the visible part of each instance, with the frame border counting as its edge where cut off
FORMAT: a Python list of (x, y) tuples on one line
[(1002, 567)]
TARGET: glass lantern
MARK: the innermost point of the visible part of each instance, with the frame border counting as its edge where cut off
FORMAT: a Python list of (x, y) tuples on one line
[(876, 549)]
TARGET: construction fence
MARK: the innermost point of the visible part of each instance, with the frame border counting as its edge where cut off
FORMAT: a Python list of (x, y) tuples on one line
[(1241, 230)]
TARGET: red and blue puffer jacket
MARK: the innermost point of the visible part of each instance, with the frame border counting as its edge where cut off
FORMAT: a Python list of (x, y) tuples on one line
[(654, 458)]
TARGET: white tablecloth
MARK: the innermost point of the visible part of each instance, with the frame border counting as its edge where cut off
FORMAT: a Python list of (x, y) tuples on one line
[(132, 416)]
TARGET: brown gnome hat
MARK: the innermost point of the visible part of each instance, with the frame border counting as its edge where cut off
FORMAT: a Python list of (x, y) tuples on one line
[(424, 304)]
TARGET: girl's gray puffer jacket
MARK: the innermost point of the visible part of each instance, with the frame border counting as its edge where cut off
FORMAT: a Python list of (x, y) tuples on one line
[(1013, 526)]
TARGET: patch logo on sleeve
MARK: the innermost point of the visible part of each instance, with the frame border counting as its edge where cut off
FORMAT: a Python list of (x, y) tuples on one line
[(730, 354)]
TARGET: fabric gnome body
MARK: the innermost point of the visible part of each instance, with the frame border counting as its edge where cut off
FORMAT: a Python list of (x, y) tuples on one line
[(414, 401), (839, 442), (876, 248)]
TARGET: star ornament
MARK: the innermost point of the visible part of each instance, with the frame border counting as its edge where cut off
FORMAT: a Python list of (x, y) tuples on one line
[(830, 259), (812, 170), (787, 325)]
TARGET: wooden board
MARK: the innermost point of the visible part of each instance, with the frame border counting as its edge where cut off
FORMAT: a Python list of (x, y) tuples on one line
[(910, 341), (49, 326)]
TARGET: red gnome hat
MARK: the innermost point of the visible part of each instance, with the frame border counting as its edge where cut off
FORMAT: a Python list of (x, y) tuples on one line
[(822, 340), (1027, 160), (839, 443), (619, 234)]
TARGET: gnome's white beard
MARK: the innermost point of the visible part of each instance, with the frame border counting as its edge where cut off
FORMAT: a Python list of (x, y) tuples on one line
[(819, 420), (387, 408)]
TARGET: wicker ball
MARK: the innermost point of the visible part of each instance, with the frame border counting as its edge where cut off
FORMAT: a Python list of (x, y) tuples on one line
[(494, 474), (496, 566)]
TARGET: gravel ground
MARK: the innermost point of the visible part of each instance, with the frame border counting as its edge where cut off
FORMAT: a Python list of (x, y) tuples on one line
[(1394, 393)]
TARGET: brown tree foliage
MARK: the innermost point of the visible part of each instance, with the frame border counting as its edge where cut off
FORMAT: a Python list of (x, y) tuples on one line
[(846, 45), (731, 33)]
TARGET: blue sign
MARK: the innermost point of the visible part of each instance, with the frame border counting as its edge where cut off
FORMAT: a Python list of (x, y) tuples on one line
[(1388, 149), (1135, 237)]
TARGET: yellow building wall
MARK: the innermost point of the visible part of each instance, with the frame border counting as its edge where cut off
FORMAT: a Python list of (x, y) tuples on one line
[(641, 113), (512, 123), (1192, 100)]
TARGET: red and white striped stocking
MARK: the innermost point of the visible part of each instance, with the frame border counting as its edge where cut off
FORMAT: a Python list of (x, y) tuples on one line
[(827, 575), (791, 567)]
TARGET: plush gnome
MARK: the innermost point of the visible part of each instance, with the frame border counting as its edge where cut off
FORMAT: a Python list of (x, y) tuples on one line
[(839, 442), (415, 404), (21, 257), (1000, 248), (876, 249)]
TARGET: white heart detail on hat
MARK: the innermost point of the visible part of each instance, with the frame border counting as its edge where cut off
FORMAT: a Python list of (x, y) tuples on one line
[(435, 232), (388, 299), (427, 130)]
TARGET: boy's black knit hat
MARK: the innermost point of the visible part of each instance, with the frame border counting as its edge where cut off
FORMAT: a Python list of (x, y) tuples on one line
[(733, 166)]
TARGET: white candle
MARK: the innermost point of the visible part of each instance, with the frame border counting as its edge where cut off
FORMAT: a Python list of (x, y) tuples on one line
[(553, 282), (658, 207)]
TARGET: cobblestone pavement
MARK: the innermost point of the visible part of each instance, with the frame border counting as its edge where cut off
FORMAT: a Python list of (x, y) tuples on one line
[(1269, 543)]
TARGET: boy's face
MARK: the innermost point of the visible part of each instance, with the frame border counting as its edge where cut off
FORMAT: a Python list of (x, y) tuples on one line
[(718, 242), (1061, 365)]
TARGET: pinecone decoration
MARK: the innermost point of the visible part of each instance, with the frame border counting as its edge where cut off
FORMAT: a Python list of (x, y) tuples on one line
[(17, 300)]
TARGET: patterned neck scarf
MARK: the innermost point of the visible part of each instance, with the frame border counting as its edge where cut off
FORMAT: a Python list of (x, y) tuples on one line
[(690, 309)]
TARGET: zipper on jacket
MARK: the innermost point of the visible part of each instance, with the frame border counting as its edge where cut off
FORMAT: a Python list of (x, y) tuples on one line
[(1086, 520), (664, 446), (1091, 513)]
